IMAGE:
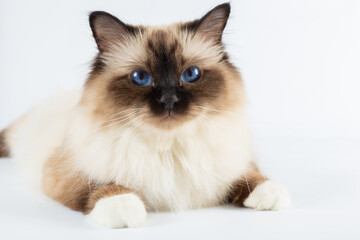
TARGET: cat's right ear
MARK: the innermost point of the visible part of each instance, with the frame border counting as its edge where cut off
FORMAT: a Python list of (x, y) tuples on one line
[(108, 30)]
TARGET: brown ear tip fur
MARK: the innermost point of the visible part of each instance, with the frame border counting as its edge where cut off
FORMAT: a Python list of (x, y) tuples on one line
[(225, 6), (95, 14)]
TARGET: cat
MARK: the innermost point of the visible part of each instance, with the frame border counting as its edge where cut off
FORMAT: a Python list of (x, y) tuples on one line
[(159, 125)]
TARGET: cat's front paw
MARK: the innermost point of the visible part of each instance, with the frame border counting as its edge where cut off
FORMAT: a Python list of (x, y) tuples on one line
[(119, 211), (269, 195)]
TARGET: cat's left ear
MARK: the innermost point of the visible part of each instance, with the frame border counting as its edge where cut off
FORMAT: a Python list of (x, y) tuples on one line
[(211, 26), (108, 30)]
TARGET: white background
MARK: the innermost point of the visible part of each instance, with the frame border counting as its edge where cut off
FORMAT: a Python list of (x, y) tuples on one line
[(301, 65)]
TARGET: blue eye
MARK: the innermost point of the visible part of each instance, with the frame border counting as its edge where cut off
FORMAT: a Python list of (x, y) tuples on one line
[(191, 74), (141, 78)]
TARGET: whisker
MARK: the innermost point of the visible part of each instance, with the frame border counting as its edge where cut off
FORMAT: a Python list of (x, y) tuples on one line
[(121, 119), (134, 109), (209, 120), (211, 109)]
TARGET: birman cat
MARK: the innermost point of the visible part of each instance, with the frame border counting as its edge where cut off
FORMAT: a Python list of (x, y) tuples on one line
[(159, 125)]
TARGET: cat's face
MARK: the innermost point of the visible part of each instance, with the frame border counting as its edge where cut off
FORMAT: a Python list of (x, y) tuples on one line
[(164, 76)]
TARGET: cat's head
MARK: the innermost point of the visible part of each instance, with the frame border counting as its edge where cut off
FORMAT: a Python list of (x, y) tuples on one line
[(163, 76)]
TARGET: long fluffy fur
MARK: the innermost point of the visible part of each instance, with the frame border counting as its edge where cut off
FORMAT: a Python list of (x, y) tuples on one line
[(191, 168), (98, 139)]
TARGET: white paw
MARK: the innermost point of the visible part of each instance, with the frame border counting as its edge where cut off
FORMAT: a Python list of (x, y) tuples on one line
[(124, 210), (270, 195)]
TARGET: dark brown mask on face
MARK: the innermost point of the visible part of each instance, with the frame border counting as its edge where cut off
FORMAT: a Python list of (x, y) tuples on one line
[(164, 73)]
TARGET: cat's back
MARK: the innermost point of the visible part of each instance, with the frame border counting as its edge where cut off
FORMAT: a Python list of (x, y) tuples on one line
[(35, 135)]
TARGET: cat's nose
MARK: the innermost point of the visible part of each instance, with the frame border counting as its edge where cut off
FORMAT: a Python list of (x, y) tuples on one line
[(168, 100)]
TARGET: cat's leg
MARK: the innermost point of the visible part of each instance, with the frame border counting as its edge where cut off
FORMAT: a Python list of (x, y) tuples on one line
[(253, 190), (108, 205)]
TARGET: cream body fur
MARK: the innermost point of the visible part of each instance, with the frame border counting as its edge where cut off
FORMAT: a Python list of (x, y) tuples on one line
[(154, 163), (34, 137)]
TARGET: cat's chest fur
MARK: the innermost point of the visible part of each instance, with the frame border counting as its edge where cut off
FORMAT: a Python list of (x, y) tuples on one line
[(190, 168)]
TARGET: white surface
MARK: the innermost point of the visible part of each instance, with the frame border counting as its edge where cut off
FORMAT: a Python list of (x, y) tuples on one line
[(322, 176), (300, 61)]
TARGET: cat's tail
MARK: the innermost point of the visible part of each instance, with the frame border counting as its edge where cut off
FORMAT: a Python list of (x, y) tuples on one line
[(4, 148)]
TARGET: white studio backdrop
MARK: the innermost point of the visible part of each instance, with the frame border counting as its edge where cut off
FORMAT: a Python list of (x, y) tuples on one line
[(300, 59)]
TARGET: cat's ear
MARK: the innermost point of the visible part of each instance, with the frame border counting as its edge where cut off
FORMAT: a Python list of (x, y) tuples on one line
[(211, 26), (108, 30)]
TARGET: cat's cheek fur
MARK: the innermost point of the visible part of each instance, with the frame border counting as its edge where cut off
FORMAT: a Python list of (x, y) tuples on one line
[(269, 195), (119, 211)]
